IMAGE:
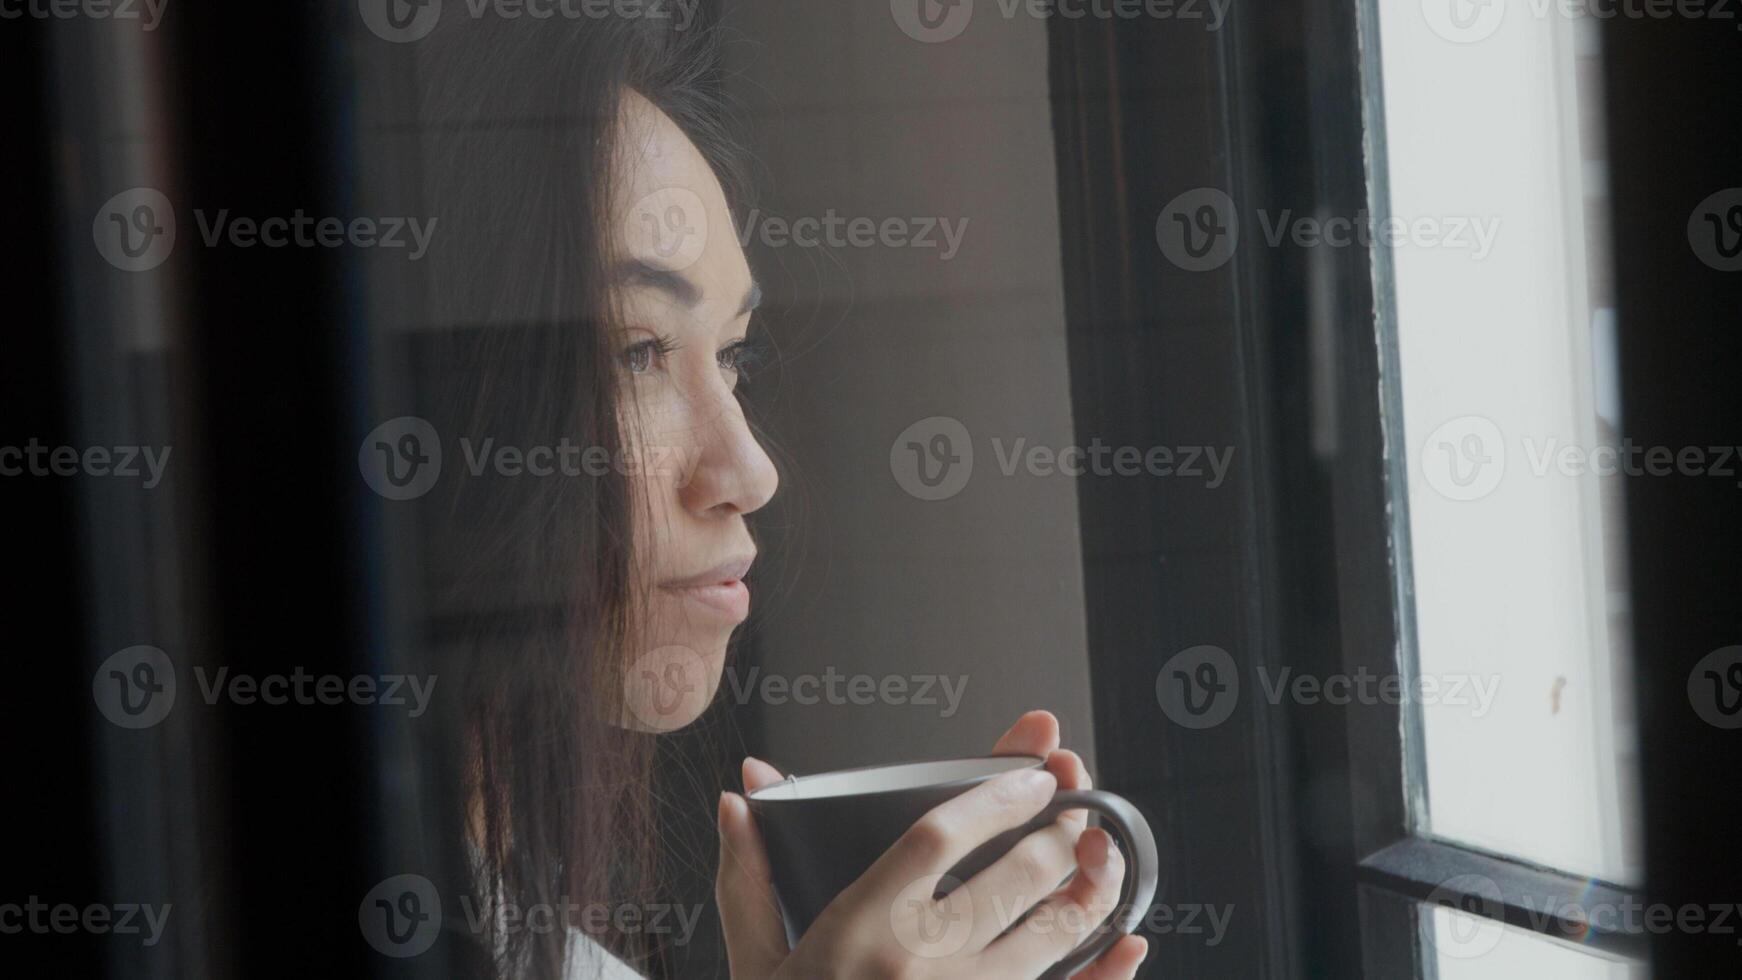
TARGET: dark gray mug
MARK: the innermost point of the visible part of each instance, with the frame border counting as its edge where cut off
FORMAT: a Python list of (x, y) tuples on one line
[(823, 832)]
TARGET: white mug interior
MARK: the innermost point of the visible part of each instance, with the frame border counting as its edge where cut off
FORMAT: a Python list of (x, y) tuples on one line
[(890, 778)]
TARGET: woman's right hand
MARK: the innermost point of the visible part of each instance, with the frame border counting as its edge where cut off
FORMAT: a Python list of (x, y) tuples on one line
[(887, 925)]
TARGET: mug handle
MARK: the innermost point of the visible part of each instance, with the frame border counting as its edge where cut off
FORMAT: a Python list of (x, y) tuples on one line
[(1142, 869)]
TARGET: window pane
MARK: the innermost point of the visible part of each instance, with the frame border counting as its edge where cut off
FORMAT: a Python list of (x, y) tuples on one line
[(1462, 946), (1504, 335)]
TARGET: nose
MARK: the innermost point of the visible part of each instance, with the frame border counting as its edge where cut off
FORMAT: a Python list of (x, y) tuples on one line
[(732, 474)]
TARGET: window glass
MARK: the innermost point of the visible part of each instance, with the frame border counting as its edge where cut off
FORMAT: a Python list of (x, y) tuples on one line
[(1467, 947), (1504, 335)]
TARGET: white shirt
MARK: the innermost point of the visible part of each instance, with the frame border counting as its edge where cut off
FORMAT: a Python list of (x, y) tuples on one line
[(587, 960)]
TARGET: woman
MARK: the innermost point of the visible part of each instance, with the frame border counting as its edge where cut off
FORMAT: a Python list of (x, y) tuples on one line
[(602, 299)]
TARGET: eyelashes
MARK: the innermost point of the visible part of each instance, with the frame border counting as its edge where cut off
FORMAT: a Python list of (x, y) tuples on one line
[(643, 356), (741, 358)]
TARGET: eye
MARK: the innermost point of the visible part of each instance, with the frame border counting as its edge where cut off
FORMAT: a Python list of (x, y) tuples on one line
[(643, 356), (741, 358)]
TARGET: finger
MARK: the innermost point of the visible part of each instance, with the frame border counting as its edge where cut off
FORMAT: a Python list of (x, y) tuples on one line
[(757, 774), (1068, 767), (945, 835), (1119, 963), (1030, 872), (749, 917), (1061, 923), (1035, 733)]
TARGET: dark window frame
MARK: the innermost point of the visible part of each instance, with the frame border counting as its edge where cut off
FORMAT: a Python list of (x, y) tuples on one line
[(1279, 107)]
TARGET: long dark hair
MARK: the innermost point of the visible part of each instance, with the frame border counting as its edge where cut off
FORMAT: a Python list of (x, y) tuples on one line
[(531, 579)]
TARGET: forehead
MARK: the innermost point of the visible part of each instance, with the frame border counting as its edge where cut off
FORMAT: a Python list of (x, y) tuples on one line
[(673, 211)]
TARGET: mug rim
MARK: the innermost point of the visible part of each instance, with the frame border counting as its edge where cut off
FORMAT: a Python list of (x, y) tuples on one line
[(756, 797)]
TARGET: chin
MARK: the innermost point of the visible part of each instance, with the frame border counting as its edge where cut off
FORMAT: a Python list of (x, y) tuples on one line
[(670, 686)]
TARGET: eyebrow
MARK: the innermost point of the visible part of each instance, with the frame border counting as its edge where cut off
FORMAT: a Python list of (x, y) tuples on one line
[(639, 272)]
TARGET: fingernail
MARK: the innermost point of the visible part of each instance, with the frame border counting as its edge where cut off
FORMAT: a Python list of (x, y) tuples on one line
[(1037, 782), (1098, 848)]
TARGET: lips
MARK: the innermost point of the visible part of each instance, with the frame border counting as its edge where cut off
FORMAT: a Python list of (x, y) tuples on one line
[(720, 589)]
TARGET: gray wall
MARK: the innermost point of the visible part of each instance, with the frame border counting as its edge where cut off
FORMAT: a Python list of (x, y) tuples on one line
[(843, 111)]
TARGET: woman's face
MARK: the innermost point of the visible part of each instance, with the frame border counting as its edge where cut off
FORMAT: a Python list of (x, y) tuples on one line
[(687, 296)]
